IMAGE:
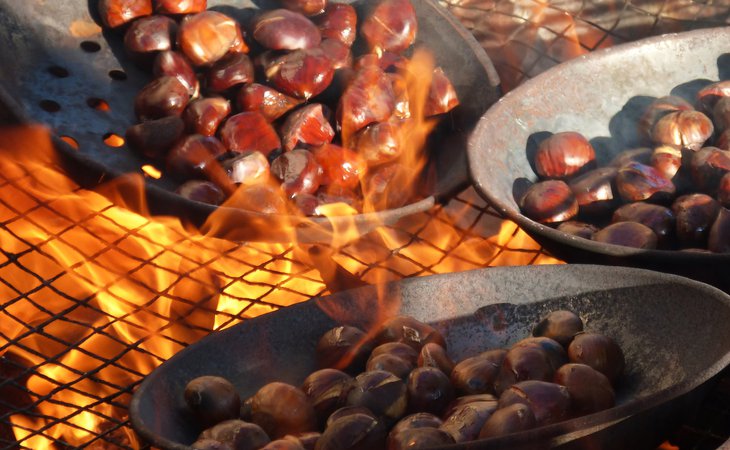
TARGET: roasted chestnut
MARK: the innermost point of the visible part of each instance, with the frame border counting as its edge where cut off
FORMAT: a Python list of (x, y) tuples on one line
[(640, 155), (307, 126), (204, 115), (638, 182), (345, 348), (353, 432), (667, 160), (298, 171), (390, 363), (249, 131), (476, 375), (549, 202), (719, 239), (659, 218), (265, 100), (576, 228), (397, 349), (442, 96), (594, 190), (237, 434), (419, 438), (180, 6), (368, 98), (174, 64), (708, 166), (434, 355), (210, 444), (416, 420), (164, 96), (348, 411), (554, 351), (115, 13), (709, 95), (247, 168), (523, 363), (306, 7), (563, 154), (409, 331), (283, 444), (307, 440), (282, 29), (683, 130), (429, 390), (549, 402), (560, 326), (590, 391), (282, 409), (382, 393), (660, 108), (339, 21), (465, 399), (379, 143), (508, 420), (340, 166), (194, 156), (261, 198), (599, 352), (154, 138), (212, 400), (201, 191), (392, 26), (327, 390), (628, 234), (302, 73), (723, 191), (228, 72), (207, 36), (465, 422), (695, 215), (149, 35)]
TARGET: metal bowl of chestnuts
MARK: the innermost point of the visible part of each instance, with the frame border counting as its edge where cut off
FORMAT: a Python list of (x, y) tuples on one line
[(299, 103), (619, 157), (537, 357)]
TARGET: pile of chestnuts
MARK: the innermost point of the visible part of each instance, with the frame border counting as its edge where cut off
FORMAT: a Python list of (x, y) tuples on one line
[(671, 195), (283, 114), (398, 389)]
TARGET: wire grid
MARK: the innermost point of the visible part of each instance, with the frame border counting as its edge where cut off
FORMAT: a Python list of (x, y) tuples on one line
[(164, 288)]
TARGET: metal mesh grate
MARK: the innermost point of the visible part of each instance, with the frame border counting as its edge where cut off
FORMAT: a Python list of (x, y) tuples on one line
[(96, 296)]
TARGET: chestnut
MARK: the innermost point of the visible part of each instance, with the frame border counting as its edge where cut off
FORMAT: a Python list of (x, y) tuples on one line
[(382, 393), (381, 188), (708, 167), (599, 352), (228, 72), (403, 97), (429, 390), (549, 202), (247, 168), (283, 444), (523, 363), (442, 96), (465, 422), (579, 229), (306, 7), (282, 29), (204, 115), (307, 125), (368, 98), (723, 140), (709, 95), (237, 434), (327, 391), (667, 160), (379, 143), (281, 409), (260, 198), (590, 391), (340, 166), (348, 411), (392, 26), (210, 444), (212, 399), (175, 64), (659, 218), (695, 215), (115, 13), (162, 97), (344, 347), (723, 191), (271, 103), (688, 130), (353, 432), (434, 355), (416, 420), (628, 234), (338, 53), (554, 351), (508, 420), (637, 182), (302, 73), (397, 349), (640, 155), (719, 239), (594, 190), (409, 331), (390, 363), (419, 438), (149, 35), (180, 6), (660, 108), (563, 154), (207, 36), (155, 137), (194, 156), (549, 402), (201, 191), (249, 131), (298, 172), (307, 440), (465, 399), (338, 21), (721, 114), (560, 325), (476, 375)]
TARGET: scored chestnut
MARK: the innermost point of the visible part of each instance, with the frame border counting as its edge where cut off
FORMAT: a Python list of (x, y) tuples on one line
[(599, 352), (180, 6), (344, 347), (265, 100), (282, 29), (549, 201), (628, 234), (207, 36), (298, 171), (476, 375), (695, 215), (282, 409), (212, 400), (164, 96), (683, 130), (549, 402), (392, 26), (508, 420), (338, 21), (564, 154), (147, 36), (561, 325), (204, 115), (237, 434), (175, 64)]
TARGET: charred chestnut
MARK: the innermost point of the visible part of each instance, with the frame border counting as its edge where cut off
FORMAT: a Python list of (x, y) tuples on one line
[(212, 400), (560, 326)]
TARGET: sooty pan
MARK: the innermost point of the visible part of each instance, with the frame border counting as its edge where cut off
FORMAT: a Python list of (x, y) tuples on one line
[(601, 95), (673, 331), (62, 65)]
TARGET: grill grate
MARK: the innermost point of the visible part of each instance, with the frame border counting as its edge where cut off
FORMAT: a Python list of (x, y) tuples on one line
[(75, 345)]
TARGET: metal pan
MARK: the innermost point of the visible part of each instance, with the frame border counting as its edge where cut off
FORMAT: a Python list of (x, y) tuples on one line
[(650, 314), (62, 65), (601, 95)]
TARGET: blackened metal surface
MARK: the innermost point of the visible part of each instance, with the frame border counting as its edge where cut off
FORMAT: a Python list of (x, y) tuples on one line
[(64, 65), (647, 313), (602, 96)]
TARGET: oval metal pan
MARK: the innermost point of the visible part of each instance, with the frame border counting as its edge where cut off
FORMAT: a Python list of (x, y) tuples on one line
[(654, 317), (601, 95), (37, 35)]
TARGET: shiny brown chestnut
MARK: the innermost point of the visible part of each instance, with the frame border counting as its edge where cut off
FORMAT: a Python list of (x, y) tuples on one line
[(476, 375), (344, 347), (307, 125), (419, 438), (465, 399), (719, 239), (369, 98), (261, 198), (201, 191), (265, 100), (379, 143), (659, 218), (229, 72), (723, 191), (381, 189), (442, 96), (340, 166), (306, 7), (560, 325), (667, 160), (283, 444), (637, 182), (508, 420), (204, 115), (338, 21), (307, 440), (416, 420), (708, 166), (590, 391), (564, 154), (237, 434), (149, 35), (174, 64), (390, 363), (640, 155), (429, 390), (685, 130), (695, 215), (247, 168), (549, 402), (348, 411), (207, 36), (397, 349), (409, 331), (709, 95), (210, 444), (180, 6), (576, 228), (327, 390), (212, 400), (520, 364), (594, 190), (353, 432), (162, 97), (721, 114), (392, 26), (155, 137), (381, 392), (660, 108), (302, 73), (339, 53), (115, 13), (600, 352), (549, 201), (434, 355), (628, 234), (555, 352), (282, 29), (249, 131), (282, 409), (298, 171), (194, 156), (465, 422)]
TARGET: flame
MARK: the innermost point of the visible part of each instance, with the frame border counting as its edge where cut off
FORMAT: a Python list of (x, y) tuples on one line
[(103, 293)]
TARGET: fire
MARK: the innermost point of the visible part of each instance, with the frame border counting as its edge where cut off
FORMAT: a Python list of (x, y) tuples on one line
[(98, 294)]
